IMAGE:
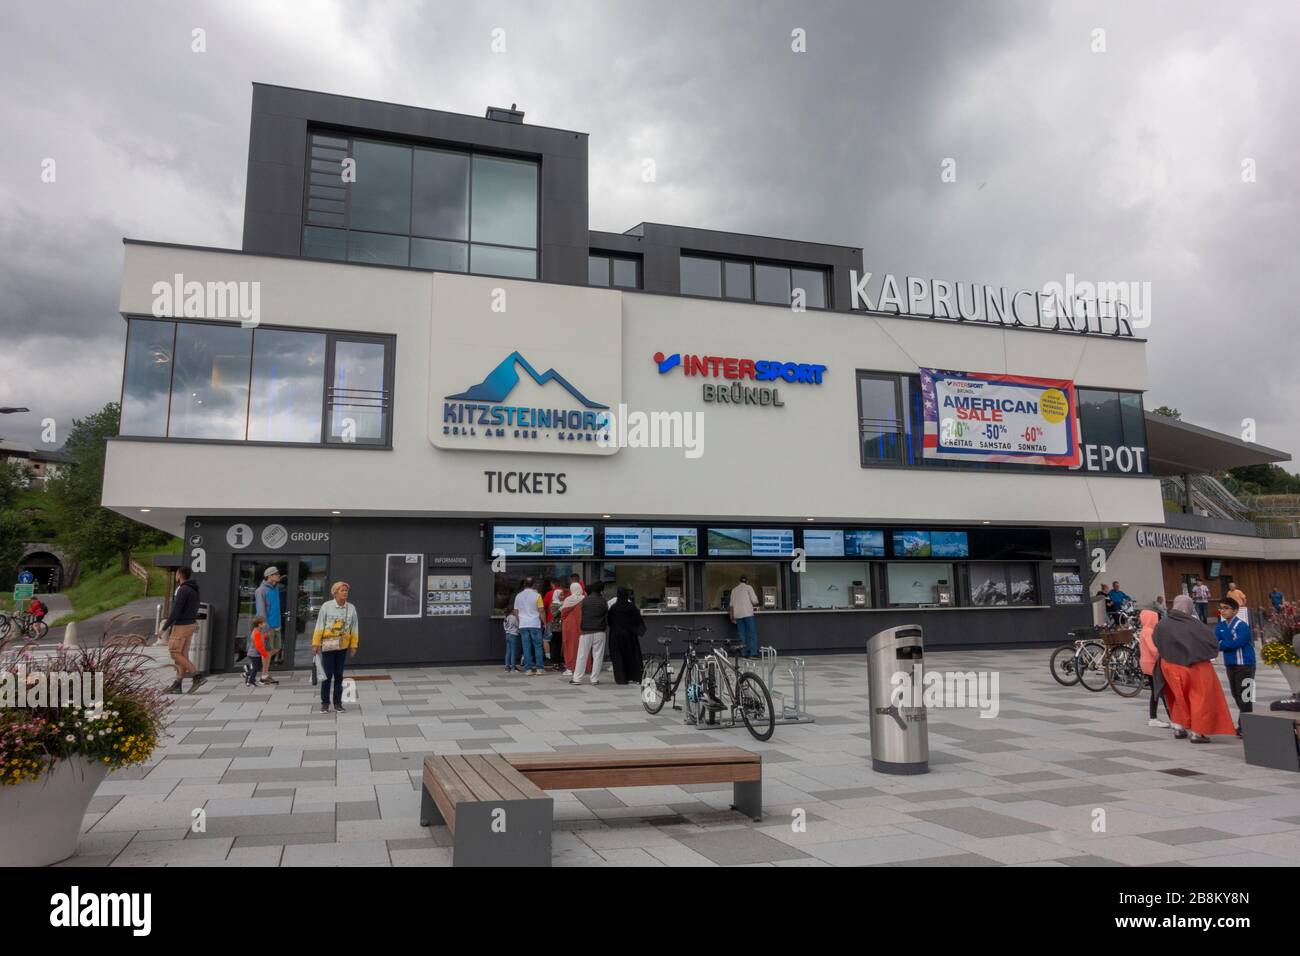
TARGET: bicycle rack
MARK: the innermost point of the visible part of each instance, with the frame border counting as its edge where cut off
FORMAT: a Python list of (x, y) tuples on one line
[(765, 666)]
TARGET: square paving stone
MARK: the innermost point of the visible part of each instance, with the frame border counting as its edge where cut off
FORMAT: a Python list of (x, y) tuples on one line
[(978, 822), (735, 847), (1188, 835)]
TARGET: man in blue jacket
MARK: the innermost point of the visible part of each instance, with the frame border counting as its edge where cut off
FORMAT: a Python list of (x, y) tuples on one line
[(1238, 656), (1117, 599)]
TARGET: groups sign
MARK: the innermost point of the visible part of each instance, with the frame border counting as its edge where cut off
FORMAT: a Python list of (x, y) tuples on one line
[(971, 416)]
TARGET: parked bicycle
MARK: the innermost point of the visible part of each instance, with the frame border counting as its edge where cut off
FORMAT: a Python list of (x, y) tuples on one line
[(712, 682)]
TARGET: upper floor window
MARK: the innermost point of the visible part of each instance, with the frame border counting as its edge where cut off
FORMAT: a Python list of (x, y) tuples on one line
[(422, 207), (891, 425), (622, 272), (770, 282), (226, 383)]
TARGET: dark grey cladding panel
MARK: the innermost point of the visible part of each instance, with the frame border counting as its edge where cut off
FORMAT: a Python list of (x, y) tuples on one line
[(614, 242), (275, 189), (272, 233)]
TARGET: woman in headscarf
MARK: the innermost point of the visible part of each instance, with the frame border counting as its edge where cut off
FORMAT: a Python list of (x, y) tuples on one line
[(625, 629), (571, 626), (1193, 695), (1148, 657)]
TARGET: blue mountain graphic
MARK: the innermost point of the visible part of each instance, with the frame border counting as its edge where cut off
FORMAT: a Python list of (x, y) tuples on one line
[(502, 380)]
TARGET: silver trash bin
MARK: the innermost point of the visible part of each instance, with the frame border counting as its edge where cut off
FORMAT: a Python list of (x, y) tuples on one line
[(900, 740), (201, 644)]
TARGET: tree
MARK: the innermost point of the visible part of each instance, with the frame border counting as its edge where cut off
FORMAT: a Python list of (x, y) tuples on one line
[(1167, 412), (90, 533), (1266, 479), (14, 528)]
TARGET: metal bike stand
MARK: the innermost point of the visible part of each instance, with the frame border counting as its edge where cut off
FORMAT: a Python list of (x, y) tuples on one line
[(765, 666)]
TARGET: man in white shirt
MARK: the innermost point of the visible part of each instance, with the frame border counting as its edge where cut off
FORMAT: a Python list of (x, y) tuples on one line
[(529, 605), (742, 604), (1201, 600)]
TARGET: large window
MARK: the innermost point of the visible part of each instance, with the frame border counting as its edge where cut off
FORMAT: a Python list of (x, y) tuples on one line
[(511, 581), (891, 426), (744, 279), (831, 584), (721, 576), (417, 206), (913, 583), (227, 383), (147, 377), (609, 270), (649, 582), (996, 585), (210, 382)]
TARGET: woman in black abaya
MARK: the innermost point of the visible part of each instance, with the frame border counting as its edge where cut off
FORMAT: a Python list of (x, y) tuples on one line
[(625, 630)]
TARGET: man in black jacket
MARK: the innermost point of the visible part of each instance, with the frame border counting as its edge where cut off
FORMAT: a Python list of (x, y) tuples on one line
[(595, 617), (183, 621)]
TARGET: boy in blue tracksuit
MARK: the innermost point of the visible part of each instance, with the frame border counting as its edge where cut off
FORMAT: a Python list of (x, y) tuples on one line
[(1238, 655)]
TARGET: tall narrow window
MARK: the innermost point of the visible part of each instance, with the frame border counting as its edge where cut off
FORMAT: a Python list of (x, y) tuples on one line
[(147, 378), (359, 397), (701, 276), (880, 418), (210, 384)]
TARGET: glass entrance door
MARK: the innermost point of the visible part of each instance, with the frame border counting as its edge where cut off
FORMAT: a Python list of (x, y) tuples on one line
[(305, 578), (311, 580)]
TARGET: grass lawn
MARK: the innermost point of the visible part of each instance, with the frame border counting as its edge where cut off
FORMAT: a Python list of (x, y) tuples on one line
[(100, 591)]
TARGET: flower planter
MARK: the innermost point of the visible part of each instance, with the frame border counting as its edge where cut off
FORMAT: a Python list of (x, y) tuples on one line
[(1292, 674), (40, 820)]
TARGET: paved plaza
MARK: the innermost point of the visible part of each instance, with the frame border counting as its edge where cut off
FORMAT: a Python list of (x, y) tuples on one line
[(283, 785)]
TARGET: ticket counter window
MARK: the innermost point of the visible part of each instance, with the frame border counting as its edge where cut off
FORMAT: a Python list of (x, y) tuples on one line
[(510, 581), (831, 584), (649, 581), (917, 583), (720, 577)]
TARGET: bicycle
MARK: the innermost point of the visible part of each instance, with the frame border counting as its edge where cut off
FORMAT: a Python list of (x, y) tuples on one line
[(22, 627), (1070, 661), (713, 682), (1119, 651)]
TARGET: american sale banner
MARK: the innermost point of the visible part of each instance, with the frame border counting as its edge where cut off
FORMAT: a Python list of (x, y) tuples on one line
[(973, 416)]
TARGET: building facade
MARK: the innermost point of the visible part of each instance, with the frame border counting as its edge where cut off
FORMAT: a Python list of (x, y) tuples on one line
[(432, 380)]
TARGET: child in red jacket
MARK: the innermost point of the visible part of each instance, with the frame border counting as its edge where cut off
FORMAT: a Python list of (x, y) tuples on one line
[(259, 655)]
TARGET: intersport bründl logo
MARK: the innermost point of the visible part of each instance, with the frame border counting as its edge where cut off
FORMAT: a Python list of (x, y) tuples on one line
[(485, 410), (768, 374)]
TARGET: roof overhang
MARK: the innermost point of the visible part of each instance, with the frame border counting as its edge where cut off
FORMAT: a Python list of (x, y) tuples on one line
[(1176, 448)]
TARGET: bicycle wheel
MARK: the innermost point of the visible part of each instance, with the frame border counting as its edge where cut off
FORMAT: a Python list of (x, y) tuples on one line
[(1063, 666), (1124, 672), (696, 692), (1091, 665), (654, 685), (756, 706)]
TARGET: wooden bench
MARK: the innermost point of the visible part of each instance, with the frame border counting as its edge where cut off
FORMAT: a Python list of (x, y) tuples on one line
[(497, 816), (494, 804)]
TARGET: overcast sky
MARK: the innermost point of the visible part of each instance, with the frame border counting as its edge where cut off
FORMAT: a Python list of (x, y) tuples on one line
[(1124, 165)]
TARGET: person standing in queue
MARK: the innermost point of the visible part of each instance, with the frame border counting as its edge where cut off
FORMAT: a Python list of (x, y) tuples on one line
[(594, 612), (554, 599), (1238, 656), (335, 637), (571, 624), (182, 621), (529, 605), (742, 604), (625, 629), (1148, 656)]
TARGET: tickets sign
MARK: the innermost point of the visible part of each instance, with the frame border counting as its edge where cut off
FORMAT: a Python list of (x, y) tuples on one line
[(972, 416)]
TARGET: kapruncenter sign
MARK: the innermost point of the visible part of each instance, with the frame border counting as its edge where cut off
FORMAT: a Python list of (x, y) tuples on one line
[(974, 416)]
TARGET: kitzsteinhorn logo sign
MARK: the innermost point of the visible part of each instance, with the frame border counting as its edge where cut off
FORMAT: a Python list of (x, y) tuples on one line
[(483, 410), (78, 909)]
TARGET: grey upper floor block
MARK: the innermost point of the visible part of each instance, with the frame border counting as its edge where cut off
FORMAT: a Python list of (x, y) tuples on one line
[(277, 160)]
